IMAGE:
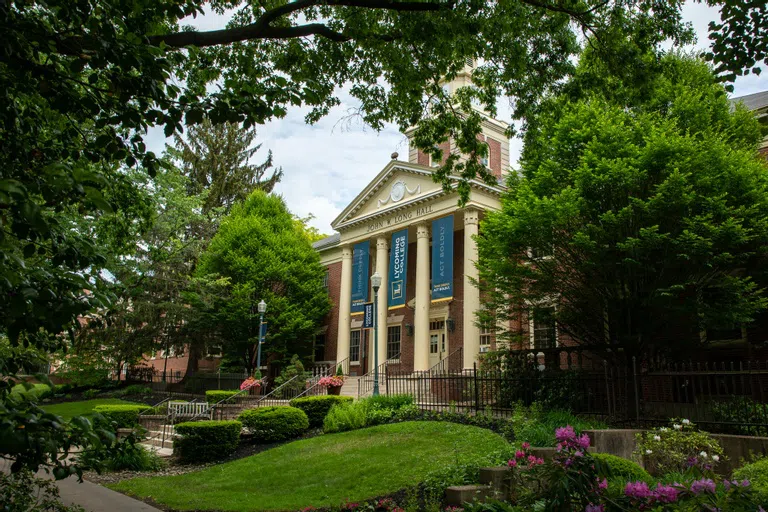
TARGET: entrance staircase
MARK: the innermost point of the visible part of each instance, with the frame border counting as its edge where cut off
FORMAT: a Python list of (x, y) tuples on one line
[(350, 387)]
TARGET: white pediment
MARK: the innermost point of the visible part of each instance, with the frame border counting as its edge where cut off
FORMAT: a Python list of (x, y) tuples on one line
[(399, 185)]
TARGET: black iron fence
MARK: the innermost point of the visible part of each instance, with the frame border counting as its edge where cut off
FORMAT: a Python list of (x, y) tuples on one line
[(722, 397)]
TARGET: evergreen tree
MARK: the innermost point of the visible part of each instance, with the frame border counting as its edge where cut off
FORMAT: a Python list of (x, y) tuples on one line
[(216, 158), (264, 255), (641, 214)]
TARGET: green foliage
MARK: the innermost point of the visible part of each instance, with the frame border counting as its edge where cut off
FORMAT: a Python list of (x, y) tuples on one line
[(121, 416), (91, 393), (346, 416), (532, 425), (295, 374), (123, 454), (133, 389), (203, 441), (317, 407), (621, 468), (652, 187), (680, 448), (261, 254), (24, 492), (217, 395), (744, 414), (757, 474), (275, 424), (85, 369), (33, 392)]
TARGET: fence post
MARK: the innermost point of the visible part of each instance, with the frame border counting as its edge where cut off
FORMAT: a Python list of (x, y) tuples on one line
[(637, 395), (477, 388)]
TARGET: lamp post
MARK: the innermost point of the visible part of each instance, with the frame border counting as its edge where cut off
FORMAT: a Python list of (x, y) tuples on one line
[(376, 283), (262, 309)]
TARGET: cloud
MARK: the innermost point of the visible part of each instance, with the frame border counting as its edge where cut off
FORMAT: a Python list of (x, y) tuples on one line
[(326, 165)]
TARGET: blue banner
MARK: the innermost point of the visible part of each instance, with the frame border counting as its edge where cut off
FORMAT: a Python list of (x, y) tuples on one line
[(263, 331), (360, 276), (442, 259), (368, 315), (398, 269)]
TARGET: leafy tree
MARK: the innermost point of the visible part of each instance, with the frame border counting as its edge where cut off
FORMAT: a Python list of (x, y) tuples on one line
[(215, 158), (264, 255), (652, 204)]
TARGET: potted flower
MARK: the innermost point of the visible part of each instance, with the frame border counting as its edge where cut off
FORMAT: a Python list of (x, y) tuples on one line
[(333, 383), (252, 383)]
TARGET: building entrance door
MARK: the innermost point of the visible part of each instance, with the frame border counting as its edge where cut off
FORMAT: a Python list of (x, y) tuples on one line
[(437, 342)]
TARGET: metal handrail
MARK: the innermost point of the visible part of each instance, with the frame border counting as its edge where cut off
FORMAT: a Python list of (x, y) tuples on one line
[(441, 363), (366, 381), (314, 386), (278, 388)]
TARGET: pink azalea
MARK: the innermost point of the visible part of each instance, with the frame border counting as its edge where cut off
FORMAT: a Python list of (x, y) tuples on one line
[(526, 445)]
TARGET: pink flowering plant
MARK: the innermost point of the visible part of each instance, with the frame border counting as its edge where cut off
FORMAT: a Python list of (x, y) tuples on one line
[(251, 382), (575, 480), (522, 467), (680, 448), (331, 381)]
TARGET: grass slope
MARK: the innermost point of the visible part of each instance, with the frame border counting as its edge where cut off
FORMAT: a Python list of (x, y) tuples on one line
[(321, 471), (68, 410)]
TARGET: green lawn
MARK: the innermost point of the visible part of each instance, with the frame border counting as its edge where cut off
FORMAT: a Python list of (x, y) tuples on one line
[(68, 410), (321, 471)]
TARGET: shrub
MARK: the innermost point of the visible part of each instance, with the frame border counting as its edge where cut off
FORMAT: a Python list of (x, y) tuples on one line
[(742, 411), (124, 454), (275, 424), (203, 441), (622, 468), (680, 448), (317, 407), (133, 389), (30, 392), (217, 395), (347, 416), (757, 474), (90, 393), (394, 402), (124, 415)]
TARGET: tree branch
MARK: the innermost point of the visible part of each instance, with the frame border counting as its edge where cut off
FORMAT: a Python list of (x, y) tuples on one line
[(262, 28)]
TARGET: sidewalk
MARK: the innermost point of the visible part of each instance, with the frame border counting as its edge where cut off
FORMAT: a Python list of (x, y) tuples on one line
[(92, 497)]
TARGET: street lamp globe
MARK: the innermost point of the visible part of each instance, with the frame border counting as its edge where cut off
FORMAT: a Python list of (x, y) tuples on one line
[(262, 307), (376, 281)]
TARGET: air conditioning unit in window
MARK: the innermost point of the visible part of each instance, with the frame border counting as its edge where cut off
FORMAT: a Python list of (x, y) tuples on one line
[(484, 348)]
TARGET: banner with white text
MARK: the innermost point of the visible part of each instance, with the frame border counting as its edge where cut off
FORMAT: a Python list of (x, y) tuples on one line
[(442, 259), (360, 276), (398, 269)]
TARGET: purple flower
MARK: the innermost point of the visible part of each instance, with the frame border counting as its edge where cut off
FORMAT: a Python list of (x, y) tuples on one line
[(593, 508), (665, 493), (584, 441), (703, 485), (603, 485), (637, 490), (565, 434)]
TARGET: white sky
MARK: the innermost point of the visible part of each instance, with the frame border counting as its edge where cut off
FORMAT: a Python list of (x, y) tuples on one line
[(327, 164)]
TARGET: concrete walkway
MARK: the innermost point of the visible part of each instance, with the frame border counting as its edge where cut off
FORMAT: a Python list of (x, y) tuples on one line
[(95, 498), (92, 497)]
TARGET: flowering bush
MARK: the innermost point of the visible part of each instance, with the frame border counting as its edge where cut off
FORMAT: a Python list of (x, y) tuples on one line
[(251, 382), (328, 382), (700, 495), (681, 448)]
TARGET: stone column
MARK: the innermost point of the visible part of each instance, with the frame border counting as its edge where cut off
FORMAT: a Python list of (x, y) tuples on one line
[(421, 313), (382, 264), (471, 293), (345, 304)]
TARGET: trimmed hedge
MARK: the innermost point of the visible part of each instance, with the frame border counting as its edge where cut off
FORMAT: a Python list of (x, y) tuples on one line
[(217, 395), (627, 470), (275, 424), (203, 441), (126, 416), (757, 474), (317, 407)]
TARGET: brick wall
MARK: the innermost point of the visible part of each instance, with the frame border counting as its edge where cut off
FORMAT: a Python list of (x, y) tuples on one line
[(423, 158), (495, 159), (331, 321)]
